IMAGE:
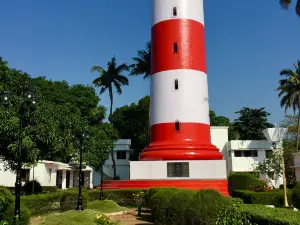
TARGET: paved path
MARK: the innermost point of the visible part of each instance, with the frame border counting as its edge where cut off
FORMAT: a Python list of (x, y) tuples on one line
[(131, 218)]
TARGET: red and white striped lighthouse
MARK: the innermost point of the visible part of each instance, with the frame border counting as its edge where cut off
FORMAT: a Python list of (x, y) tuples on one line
[(180, 126)]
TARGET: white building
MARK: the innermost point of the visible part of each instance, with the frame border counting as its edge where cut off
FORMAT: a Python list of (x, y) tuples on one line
[(48, 173), (297, 165), (121, 153)]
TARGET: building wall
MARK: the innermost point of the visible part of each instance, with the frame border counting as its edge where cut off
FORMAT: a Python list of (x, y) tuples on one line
[(7, 178), (297, 165)]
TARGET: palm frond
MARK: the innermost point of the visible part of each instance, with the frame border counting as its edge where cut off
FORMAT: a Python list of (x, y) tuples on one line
[(98, 69), (285, 3), (122, 79), (118, 87)]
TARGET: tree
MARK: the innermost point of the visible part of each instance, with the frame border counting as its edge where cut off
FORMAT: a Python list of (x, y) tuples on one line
[(62, 111), (251, 122), (286, 4), (289, 91), (106, 80), (131, 121), (142, 63)]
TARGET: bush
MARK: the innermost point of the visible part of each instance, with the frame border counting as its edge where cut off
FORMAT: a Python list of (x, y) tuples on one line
[(104, 220), (160, 205), (49, 189), (24, 215), (123, 197), (275, 197), (69, 199), (6, 200), (233, 216), (244, 181), (177, 206), (205, 206), (32, 187), (296, 196), (42, 203), (262, 215)]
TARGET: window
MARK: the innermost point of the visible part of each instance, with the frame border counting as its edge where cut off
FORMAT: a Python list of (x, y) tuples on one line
[(121, 155), (175, 48), (254, 153), (177, 125), (176, 84), (237, 153), (25, 175), (174, 11), (269, 153), (247, 153)]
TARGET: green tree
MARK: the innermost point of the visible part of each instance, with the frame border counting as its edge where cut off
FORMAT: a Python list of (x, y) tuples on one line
[(142, 63), (289, 91), (286, 4), (106, 80), (251, 122)]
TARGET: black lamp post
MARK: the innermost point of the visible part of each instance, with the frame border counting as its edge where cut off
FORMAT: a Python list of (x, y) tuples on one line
[(28, 104), (101, 184), (81, 137)]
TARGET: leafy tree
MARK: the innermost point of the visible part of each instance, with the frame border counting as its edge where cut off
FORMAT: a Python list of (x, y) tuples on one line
[(290, 92), (142, 63), (106, 80), (251, 122), (62, 111), (286, 3)]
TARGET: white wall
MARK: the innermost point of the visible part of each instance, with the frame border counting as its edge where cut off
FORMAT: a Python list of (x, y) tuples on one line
[(7, 178), (219, 138)]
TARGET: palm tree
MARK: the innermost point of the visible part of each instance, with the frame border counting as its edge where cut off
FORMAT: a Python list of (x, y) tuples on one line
[(286, 3), (290, 92), (106, 80), (142, 63)]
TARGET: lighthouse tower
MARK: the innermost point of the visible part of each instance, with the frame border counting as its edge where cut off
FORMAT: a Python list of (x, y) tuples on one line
[(180, 153), (180, 126)]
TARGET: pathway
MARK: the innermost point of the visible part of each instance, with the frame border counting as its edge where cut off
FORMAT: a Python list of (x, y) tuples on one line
[(131, 218)]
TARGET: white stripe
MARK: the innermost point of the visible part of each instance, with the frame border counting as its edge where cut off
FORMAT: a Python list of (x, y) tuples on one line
[(186, 9), (187, 104)]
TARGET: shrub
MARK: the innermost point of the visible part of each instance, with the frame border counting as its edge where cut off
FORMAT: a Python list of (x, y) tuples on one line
[(178, 204), (275, 197), (160, 205), (6, 199), (32, 187), (205, 207), (24, 215), (296, 196), (262, 215), (122, 197), (233, 216), (69, 199), (244, 181), (42, 203), (105, 206), (104, 220), (49, 189)]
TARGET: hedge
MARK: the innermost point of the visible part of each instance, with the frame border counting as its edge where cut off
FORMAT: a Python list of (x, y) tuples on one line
[(24, 214), (263, 215), (275, 197), (296, 196), (244, 181), (69, 200)]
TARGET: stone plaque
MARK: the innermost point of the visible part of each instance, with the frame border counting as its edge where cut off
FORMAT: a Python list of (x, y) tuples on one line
[(178, 169)]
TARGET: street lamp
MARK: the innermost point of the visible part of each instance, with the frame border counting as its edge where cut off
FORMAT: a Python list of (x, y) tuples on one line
[(27, 104), (81, 137)]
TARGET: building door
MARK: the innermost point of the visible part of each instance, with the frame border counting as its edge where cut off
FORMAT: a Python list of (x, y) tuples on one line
[(68, 179)]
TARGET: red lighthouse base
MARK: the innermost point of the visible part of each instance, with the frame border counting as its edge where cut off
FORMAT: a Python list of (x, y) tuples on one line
[(192, 142)]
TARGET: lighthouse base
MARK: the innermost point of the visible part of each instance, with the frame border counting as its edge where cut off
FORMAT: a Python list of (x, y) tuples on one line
[(194, 175), (173, 170)]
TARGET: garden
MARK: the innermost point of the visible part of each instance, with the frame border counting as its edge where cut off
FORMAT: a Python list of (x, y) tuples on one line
[(250, 203)]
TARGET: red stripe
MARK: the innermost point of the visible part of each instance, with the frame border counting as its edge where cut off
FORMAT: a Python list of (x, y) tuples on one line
[(189, 36), (219, 185), (191, 142)]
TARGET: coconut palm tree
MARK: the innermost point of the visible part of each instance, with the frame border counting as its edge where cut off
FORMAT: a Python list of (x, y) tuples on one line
[(290, 92), (106, 81), (142, 63), (286, 4)]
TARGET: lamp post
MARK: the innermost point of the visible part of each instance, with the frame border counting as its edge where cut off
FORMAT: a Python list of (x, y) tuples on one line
[(81, 137), (28, 104), (101, 184)]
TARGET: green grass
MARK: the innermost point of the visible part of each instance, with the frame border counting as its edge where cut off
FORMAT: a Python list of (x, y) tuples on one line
[(85, 217)]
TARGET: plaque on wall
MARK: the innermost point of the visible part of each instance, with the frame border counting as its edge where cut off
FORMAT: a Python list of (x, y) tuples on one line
[(178, 169)]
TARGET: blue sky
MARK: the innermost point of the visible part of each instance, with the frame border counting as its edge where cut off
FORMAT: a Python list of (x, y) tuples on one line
[(248, 43)]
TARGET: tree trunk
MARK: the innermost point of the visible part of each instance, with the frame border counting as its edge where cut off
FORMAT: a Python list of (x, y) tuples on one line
[(112, 150), (298, 130)]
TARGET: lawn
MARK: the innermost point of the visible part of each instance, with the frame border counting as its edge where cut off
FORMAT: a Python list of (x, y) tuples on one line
[(85, 217)]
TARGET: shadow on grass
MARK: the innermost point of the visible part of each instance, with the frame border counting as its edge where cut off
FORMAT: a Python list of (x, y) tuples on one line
[(145, 217)]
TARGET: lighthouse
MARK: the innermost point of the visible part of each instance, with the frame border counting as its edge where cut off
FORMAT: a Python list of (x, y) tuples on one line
[(180, 126), (180, 153)]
